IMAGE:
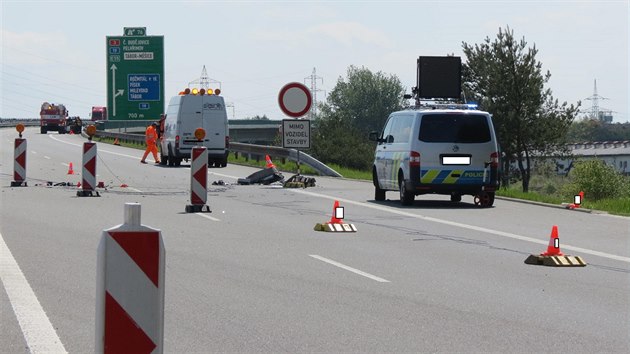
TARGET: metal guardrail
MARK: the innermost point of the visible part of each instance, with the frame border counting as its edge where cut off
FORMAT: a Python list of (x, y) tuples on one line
[(250, 150), (7, 123)]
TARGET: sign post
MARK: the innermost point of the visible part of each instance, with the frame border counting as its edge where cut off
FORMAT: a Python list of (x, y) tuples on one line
[(295, 101), (135, 75)]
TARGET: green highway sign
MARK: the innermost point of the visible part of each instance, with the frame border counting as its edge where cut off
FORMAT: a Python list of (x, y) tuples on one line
[(135, 76)]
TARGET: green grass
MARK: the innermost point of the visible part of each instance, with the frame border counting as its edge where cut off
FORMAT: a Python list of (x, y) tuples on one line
[(350, 173), (618, 206), (533, 196), (287, 166), (139, 146)]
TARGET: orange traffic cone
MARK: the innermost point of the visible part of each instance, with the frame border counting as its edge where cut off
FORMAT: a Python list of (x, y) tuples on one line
[(269, 163), (70, 169), (334, 219), (116, 142), (553, 249)]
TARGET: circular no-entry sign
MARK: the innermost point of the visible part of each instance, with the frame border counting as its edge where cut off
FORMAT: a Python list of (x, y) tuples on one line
[(294, 99)]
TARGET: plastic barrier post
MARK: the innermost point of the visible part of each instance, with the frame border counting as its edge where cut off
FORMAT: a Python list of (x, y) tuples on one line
[(19, 164), (88, 174), (130, 287), (198, 180)]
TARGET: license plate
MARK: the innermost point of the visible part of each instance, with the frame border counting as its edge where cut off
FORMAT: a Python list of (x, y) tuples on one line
[(456, 160)]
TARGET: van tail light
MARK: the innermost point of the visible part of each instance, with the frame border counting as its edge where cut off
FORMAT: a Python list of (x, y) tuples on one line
[(176, 142), (494, 159), (414, 159), (227, 141)]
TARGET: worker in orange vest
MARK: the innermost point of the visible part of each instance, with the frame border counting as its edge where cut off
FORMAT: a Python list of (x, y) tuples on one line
[(150, 138)]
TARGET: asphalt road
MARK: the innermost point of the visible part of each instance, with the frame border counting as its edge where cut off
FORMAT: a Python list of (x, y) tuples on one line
[(253, 276)]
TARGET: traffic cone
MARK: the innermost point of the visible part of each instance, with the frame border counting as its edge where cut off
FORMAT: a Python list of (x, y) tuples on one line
[(269, 163), (334, 219), (70, 169), (116, 142), (553, 249), (71, 132)]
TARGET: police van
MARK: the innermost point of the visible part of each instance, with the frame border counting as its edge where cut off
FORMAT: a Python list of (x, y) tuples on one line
[(441, 149), (186, 112)]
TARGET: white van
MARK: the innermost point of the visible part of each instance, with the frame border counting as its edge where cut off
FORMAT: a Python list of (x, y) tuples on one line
[(187, 112), (442, 151)]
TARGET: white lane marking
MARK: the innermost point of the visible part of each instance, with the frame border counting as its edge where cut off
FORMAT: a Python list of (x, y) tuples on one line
[(465, 226), (38, 332), (134, 189), (353, 270), (47, 157), (207, 217), (34, 152)]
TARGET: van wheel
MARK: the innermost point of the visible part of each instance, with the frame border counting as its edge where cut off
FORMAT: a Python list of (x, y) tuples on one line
[(224, 162), (177, 162), (379, 194), (406, 198), (484, 199), (42, 130)]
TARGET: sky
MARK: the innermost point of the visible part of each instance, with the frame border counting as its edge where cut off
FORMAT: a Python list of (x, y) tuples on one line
[(55, 51)]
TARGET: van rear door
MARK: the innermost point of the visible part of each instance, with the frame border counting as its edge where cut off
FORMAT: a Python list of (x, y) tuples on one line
[(190, 118), (214, 122), (455, 148)]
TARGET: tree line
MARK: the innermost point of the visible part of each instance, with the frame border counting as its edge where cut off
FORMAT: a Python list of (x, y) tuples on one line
[(501, 75)]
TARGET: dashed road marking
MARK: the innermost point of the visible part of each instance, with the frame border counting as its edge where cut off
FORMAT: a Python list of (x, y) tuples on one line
[(207, 217), (353, 270)]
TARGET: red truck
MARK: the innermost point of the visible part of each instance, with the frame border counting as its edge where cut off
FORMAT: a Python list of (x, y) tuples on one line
[(98, 113), (53, 117)]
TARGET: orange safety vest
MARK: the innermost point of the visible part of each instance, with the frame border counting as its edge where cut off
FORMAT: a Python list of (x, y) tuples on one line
[(150, 135)]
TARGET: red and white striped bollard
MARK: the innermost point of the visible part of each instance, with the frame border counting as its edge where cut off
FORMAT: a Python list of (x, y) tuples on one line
[(19, 162), (198, 180), (130, 287), (88, 173)]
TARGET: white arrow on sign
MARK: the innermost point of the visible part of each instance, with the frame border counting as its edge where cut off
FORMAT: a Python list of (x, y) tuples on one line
[(115, 93)]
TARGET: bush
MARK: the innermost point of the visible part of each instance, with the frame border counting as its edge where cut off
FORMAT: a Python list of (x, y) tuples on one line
[(598, 180)]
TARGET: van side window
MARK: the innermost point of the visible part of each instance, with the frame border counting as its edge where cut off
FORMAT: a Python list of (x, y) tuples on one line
[(455, 128), (386, 135), (401, 130)]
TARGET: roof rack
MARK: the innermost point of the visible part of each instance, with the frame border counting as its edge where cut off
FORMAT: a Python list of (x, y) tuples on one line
[(428, 106)]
